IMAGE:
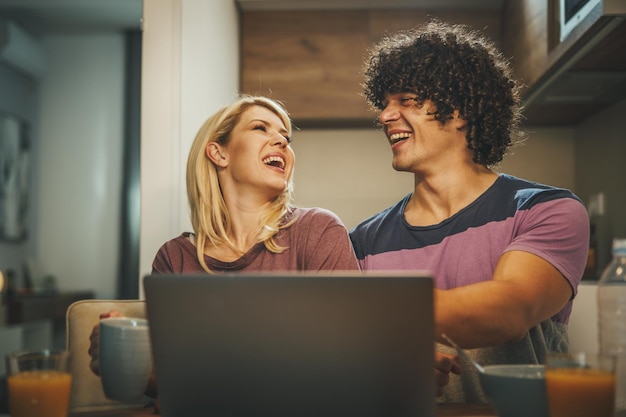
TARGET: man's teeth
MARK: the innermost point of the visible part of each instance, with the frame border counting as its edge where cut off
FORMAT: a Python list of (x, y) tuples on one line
[(399, 136), (275, 161)]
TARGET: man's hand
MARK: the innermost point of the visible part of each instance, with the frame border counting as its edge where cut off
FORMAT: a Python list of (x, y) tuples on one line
[(444, 364)]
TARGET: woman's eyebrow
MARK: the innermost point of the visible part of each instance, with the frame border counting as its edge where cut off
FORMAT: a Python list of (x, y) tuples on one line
[(266, 123)]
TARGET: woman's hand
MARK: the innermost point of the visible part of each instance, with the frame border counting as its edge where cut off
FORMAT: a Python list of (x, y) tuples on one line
[(444, 364), (94, 363), (94, 339)]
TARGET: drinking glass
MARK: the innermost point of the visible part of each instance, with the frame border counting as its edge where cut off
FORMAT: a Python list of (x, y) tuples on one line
[(580, 384), (39, 383)]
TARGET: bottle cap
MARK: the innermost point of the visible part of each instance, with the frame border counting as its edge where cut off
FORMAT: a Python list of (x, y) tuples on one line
[(619, 246)]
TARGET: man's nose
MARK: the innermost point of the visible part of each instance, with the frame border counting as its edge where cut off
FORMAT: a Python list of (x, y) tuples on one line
[(388, 114)]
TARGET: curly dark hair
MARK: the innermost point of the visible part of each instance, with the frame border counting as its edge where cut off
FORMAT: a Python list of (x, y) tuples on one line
[(457, 69)]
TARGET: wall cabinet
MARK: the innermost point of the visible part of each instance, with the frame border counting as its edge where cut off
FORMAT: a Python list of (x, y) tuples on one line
[(567, 81), (312, 60), (308, 60)]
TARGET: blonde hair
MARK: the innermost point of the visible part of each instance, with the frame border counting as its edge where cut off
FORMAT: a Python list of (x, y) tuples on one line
[(210, 218)]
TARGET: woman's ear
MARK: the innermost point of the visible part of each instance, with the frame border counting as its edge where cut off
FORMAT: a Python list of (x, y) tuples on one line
[(216, 154)]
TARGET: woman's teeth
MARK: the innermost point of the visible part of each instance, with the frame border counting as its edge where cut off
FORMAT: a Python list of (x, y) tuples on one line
[(275, 161)]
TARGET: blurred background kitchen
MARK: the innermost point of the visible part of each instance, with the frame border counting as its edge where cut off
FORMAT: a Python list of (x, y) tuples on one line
[(100, 101)]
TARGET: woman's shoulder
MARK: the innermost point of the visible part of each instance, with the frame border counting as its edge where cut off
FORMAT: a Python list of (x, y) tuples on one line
[(181, 241), (316, 215), (177, 255)]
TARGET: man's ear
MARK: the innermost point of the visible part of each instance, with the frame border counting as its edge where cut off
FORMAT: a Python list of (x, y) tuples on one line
[(459, 122), (216, 154)]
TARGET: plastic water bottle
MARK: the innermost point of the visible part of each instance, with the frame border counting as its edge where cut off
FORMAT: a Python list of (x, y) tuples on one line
[(612, 317)]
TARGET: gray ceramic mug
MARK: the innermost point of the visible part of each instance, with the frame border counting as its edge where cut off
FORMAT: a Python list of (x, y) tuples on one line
[(125, 357)]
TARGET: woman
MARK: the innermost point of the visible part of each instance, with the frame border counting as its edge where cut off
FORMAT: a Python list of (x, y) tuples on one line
[(239, 186)]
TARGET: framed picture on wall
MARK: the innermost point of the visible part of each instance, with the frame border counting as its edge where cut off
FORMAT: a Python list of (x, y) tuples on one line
[(14, 177)]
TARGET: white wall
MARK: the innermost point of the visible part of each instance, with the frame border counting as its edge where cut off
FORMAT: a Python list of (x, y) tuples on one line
[(601, 168), (349, 171), (190, 68), (583, 322), (547, 156), (80, 155)]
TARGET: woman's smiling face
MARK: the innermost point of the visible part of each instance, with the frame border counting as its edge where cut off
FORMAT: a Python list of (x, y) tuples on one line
[(258, 152)]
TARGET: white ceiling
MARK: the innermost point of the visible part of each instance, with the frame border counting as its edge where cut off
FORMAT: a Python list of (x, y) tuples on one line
[(59, 16)]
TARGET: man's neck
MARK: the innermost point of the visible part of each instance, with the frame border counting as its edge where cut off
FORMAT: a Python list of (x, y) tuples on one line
[(438, 197)]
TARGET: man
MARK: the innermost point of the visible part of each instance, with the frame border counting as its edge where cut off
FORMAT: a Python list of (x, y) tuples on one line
[(507, 254)]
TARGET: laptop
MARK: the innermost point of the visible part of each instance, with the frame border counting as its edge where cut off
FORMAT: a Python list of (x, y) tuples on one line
[(293, 344)]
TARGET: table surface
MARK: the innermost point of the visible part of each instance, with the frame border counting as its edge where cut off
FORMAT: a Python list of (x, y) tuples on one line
[(443, 410)]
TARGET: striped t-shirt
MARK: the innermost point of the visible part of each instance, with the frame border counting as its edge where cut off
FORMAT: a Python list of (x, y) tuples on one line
[(513, 214)]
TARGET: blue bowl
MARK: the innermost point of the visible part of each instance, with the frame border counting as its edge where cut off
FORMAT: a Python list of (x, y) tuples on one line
[(516, 390)]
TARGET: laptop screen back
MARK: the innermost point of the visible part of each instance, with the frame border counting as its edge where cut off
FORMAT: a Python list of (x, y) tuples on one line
[(295, 344)]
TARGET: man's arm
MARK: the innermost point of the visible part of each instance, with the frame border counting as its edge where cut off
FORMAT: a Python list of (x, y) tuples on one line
[(524, 291)]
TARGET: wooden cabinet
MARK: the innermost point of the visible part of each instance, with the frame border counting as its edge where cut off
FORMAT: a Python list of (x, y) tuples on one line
[(308, 60), (566, 82), (312, 60), (526, 31)]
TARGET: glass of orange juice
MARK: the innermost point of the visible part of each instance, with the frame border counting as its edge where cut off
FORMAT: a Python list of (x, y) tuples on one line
[(580, 384), (38, 383)]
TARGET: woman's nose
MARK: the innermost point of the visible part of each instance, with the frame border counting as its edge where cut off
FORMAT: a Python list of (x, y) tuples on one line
[(280, 140)]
